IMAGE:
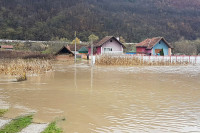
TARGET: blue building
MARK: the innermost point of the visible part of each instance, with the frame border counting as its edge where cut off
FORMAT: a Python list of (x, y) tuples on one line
[(154, 46)]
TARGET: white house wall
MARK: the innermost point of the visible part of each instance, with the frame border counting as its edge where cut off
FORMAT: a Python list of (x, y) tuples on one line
[(116, 47)]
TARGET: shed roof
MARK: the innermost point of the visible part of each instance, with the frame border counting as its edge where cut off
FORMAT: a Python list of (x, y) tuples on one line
[(78, 46), (106, 39), (83, 50), (149, 43), (7, 46), (65, 48)]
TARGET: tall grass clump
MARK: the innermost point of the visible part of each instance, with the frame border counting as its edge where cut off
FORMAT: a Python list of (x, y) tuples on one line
[(52, 128), (2, 112), (17, 124), (21, 67)]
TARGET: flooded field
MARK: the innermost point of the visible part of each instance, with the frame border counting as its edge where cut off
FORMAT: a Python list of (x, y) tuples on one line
[(109, 99)]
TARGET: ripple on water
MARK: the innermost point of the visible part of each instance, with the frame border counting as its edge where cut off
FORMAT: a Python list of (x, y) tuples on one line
[(194, 70), (24, 108), (3, 104), (53, 111), (177, 116)]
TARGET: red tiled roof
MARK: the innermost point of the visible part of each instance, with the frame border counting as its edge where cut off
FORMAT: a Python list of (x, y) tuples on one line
[(106, 39), (149, 43), (102, 41), (7, 46)]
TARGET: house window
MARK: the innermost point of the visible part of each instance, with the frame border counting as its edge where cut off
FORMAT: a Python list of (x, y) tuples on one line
[(110, 40), (107, 49), (159, 42)]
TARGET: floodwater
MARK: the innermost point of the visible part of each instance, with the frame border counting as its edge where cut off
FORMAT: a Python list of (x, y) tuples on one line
[(109, 99)]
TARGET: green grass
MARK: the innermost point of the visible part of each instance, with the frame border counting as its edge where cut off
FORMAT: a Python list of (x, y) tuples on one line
[(52, 128), (2, 112), (17, 125)]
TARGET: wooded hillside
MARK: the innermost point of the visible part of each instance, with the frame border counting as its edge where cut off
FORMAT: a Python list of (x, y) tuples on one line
[(135, 20)]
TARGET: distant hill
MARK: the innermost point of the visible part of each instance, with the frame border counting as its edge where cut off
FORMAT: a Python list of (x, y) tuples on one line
[(135, 20)]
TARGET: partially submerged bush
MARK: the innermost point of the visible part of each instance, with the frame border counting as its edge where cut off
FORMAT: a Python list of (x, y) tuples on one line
[(22, 78)]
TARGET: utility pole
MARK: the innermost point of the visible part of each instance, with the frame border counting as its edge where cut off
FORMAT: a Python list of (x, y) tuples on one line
[(92, 52), (75, 49)]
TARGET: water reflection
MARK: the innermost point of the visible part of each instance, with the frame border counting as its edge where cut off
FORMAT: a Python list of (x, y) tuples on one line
[(75, 80), (91, 78)]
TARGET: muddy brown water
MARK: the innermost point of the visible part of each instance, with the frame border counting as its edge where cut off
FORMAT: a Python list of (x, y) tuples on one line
[(109, 99)]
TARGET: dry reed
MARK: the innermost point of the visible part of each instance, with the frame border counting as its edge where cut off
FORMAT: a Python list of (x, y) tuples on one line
[(20, 67), (117, 60), (131, 61)]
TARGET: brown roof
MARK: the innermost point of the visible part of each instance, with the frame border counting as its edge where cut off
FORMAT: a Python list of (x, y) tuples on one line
[(149, 43), (7, 46), (106, 39), (78, 47), (65, 47)]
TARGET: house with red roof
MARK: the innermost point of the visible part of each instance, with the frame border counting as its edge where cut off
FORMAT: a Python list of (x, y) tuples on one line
[(154, 46), (6, 47), (108, 45)]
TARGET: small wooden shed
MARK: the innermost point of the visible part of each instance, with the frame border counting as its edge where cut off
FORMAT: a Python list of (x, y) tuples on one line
[(83, 50), (64, 54)]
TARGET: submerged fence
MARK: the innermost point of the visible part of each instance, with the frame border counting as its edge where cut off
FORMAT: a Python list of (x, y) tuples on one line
[(146, 60), (170, 59)]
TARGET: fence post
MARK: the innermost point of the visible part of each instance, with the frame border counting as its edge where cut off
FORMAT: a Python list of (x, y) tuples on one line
[(163, 60), (170, 59), (143, 59), (149, 59), (182, 59), (196, 59), (189, 59)]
